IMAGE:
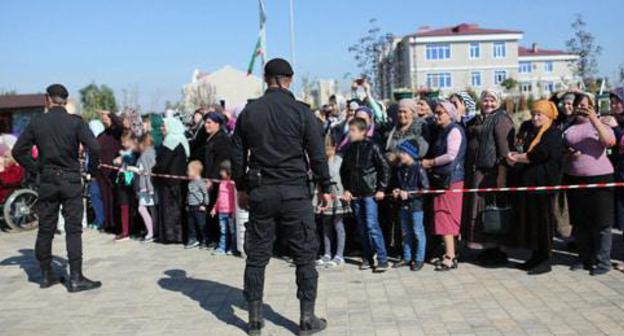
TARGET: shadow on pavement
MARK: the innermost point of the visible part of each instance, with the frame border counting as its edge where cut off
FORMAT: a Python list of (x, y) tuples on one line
[(28, 262), (219, 299)]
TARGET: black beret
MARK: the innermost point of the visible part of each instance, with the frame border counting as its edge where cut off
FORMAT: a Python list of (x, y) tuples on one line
[(57, 90), (278, 67)]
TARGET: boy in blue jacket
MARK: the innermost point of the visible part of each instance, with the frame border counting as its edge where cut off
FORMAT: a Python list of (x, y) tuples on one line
[(411, 177)]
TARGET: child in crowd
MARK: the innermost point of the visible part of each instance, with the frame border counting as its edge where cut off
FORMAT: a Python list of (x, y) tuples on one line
[(224, 209), (143, 184), (95, 194), (365, 173), (125, 182), (331, 216), (197, 201), (11, 174), (411, 176)]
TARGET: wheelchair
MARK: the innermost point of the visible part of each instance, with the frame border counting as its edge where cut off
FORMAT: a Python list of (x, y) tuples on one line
[(18, 209)]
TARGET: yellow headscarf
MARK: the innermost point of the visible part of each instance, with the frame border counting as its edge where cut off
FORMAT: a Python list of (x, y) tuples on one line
[(549, 110)]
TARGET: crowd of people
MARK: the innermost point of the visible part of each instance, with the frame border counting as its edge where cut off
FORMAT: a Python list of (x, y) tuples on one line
[(380, 154)]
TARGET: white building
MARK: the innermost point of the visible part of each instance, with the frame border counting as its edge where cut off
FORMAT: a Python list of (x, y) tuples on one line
[(467, 56), (321, 90), (233, 86)]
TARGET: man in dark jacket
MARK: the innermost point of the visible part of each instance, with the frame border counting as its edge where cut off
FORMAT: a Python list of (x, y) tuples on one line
[(276, 142), (365, 175), (57, 136)]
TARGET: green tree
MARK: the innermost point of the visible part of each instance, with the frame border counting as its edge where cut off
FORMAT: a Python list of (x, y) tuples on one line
[(94, 98), (583, 44)]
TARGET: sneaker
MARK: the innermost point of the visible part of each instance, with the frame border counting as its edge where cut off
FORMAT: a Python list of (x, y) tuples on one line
[(382, 267), (191, 245), (365, 265), (400, 264), (218, 252), (148, 240), (324, 260), (120, 238), (229, 252), (416, 266), (337, 261), (599, 271)]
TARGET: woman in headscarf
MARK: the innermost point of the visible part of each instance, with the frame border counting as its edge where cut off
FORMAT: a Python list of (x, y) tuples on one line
[(407, 127), (465, 105), (215, 151), (448, 152), (617, 108), (591, 210), (491, 136), (171, 159), (110, 145), (540, 164)]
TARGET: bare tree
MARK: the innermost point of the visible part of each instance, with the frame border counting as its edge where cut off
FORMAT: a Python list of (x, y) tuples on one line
[(583, 43), (369, 53)]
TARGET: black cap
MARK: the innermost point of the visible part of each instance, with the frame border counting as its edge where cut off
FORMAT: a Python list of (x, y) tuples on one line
[(57, 90), (278, 67)]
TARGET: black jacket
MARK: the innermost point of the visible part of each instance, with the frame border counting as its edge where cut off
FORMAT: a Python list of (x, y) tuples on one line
[(57, 136), (280, 138), (214, 152), (364, 169)]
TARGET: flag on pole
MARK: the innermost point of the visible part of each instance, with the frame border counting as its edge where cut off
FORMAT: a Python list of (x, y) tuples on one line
[(260, 49)]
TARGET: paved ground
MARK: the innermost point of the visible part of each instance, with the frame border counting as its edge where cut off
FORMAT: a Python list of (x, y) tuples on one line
[(164, 290)]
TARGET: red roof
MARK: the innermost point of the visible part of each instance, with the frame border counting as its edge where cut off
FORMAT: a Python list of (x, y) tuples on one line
[(524, 52), (462, 29), (22, 101)]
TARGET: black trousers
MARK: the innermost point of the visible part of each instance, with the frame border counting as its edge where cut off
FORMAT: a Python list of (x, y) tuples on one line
[(56, 190), (196, 221), (592, 216), (289, 209)]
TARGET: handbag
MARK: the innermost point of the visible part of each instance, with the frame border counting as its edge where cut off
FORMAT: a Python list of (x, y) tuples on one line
[(495, 219), (440, 181)]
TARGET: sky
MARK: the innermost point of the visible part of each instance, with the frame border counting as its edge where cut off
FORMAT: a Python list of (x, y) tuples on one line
[(151, 47)]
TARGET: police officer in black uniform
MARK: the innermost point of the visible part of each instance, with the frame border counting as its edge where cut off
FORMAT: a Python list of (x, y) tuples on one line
[(57, 136), (276, 142)]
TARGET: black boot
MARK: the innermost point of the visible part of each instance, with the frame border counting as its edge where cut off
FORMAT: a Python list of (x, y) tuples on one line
[(78, 282), (256, 321), (542, 268), (48, 277), (535, 260), (309, 323)]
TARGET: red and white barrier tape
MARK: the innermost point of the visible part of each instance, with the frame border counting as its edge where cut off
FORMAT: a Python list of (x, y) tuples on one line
[(437, 191), (166, 176)]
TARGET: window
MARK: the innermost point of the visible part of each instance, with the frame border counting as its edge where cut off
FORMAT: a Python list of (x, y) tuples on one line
[(548, 66), (475, 50), (525, 67), (499, 76), (439, 80), (475, 79), (499, 50), (526, 87), (438, 51), (549, 86)]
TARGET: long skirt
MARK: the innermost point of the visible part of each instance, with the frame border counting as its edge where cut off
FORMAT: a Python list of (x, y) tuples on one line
[(534, 222), (169, 228), (475, 203), (447, 211), (107, 190)]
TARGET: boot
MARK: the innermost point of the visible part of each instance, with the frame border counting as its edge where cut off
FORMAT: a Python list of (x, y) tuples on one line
[(310, 324), (78, 282), (542, 268), (48, 277), (256, 320)]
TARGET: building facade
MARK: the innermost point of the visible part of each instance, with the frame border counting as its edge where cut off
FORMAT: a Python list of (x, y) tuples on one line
[(232, 86), (467, 56)]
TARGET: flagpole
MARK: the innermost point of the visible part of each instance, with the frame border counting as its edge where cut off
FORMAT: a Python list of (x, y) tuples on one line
[(292, 34)]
